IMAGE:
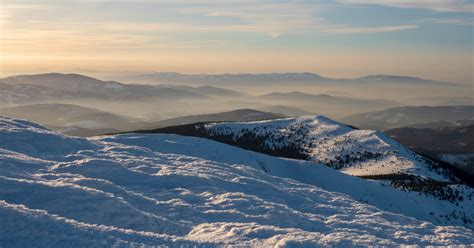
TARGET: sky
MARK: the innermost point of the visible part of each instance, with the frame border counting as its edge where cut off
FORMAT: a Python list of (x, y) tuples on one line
[(431, 39)]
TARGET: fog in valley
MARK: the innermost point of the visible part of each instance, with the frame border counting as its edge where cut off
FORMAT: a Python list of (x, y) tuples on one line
[(76, 100)]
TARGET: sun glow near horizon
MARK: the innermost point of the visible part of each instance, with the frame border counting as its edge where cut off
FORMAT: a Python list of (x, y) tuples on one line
[(332, 38)]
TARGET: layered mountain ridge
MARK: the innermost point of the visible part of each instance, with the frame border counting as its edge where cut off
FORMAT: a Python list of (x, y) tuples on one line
[(304, 77), (410, 116)]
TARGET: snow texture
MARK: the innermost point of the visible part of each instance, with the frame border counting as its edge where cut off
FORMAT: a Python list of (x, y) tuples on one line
[(150, 190)]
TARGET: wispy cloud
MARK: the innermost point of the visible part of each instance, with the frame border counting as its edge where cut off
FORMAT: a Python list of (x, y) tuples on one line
[(450, 21), (436, 5), (276, 19), (359, 30), (272, 17), (214, 32)]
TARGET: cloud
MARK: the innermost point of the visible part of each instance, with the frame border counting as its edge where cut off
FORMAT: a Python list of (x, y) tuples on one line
[(54, 28), (360, 30), (450, 21), (435, 5), (272, 17), (277, 19)]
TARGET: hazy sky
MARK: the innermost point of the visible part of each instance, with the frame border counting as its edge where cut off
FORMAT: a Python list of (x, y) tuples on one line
[(341, 38)]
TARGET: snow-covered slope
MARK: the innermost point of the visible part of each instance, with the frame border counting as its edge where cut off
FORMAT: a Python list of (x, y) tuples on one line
[(149, 189), (364, 153), (322, 140), (386, 198)]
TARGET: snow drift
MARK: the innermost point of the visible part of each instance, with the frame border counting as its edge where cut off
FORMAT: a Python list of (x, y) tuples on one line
[(145, 189)]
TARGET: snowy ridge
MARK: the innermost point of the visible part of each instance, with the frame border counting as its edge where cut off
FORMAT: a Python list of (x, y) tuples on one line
[(364, 153), (322, 140), (132, 190)]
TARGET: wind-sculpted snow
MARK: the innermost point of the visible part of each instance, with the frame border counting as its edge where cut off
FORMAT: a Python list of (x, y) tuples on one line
[(150, 190), (33, 139)]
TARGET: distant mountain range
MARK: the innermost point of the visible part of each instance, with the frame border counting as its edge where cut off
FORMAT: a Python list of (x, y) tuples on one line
[(210, 91), (334, 106), (443, 124), (159, 102), (173, 77), (19, 94), (274, 78), (53, 86), (326, 100), (355, 95), (443, 101), (140, 100), (409, 116), (71, 116), (389, 79)]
